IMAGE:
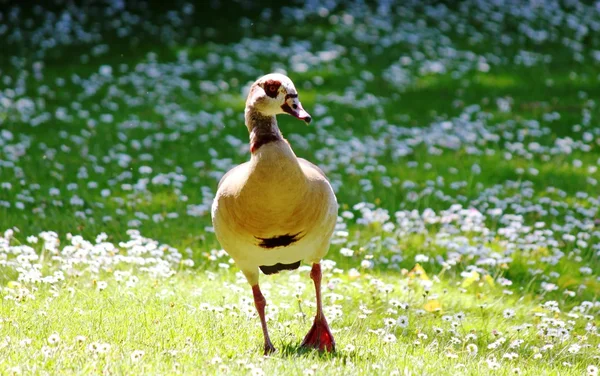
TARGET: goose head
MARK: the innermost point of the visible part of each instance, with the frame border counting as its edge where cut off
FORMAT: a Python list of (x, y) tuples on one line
[(275, 94)]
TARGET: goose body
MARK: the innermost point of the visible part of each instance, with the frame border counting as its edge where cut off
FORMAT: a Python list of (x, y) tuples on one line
[(276, 210)]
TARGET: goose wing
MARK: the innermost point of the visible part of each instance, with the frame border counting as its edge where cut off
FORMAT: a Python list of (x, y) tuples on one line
[(232, 172), (311, 166)]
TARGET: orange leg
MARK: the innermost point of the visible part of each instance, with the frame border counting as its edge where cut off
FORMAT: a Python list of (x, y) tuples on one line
[(260, 303), (319, 336)]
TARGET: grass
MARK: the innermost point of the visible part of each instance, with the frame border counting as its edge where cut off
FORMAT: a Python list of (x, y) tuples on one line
[(480, 286), (192, 326)]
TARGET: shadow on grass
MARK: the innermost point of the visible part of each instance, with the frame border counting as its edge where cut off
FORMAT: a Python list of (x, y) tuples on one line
[(292, 350)]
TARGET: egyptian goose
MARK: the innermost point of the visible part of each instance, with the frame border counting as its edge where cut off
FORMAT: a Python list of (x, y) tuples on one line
[(276, 210)]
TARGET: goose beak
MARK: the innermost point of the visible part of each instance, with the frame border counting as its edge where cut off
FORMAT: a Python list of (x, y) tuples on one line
[(293, 107)]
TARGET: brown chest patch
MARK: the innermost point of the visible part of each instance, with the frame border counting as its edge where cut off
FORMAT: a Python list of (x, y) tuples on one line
[(278, 241)]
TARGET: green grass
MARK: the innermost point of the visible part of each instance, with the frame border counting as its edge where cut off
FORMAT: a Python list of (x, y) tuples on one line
[(201, 319), (192, 325)]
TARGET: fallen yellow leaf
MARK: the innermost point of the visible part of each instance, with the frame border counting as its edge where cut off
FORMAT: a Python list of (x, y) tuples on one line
[(468, 281), (433, 306), (418, 272), (14, 284)]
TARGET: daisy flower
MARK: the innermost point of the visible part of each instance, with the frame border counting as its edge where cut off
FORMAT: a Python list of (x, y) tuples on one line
[(54, 339), (402, 321)]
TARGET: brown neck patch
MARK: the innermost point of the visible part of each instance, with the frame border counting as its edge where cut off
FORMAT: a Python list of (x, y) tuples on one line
[(263, 139), (263, 129)]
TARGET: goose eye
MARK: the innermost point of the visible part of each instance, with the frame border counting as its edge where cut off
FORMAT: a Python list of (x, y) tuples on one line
[(271, 87)]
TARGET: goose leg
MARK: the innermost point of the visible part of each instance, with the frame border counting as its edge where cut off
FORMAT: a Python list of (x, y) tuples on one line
[(260, 303), (319, 336)]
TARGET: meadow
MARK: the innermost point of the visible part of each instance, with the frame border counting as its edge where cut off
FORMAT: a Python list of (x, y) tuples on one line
[(462, 140)]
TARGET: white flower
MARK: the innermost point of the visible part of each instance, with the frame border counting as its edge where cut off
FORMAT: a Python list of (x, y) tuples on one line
[(98, 348), (510, 356), (592, 371), (54, 339), (389, 338), (347, 252), (388, 321), (80, 339), (472, 349), (103, 348), (421, 258), (137, 355), (402, 321), (493, 365), (46, 351)]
